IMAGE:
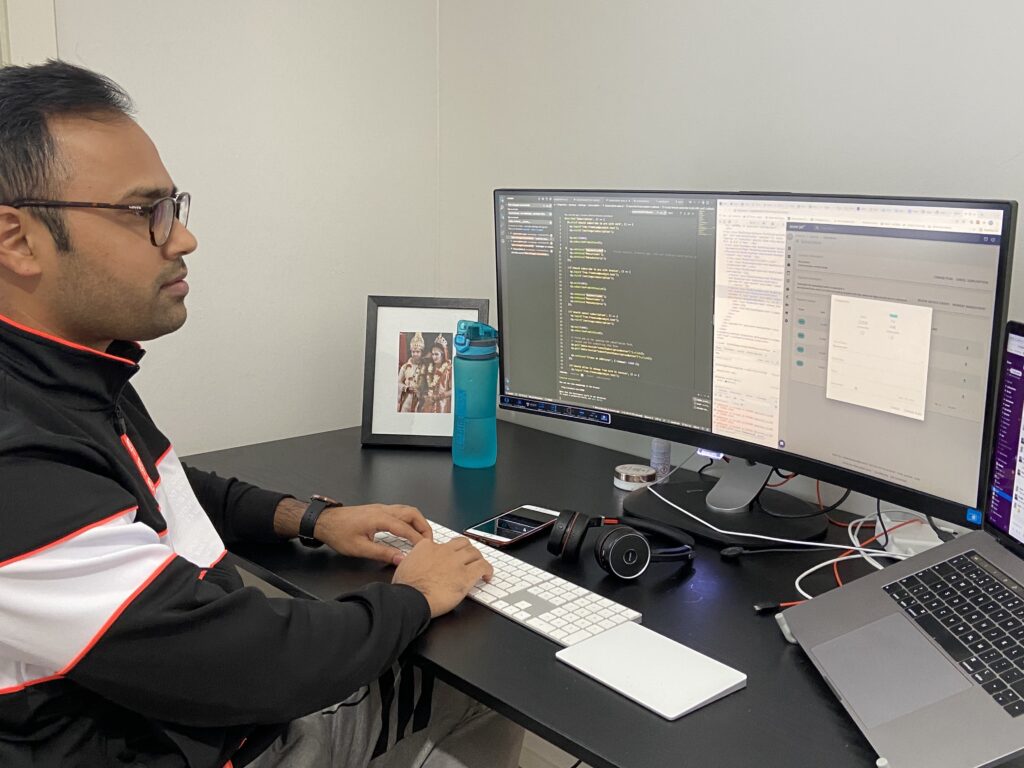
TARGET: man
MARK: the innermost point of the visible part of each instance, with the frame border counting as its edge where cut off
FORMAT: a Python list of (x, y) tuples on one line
[(124, 640), (412, 377)]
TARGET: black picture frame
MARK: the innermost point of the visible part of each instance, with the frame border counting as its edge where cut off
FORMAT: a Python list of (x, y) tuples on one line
[(416, 415)]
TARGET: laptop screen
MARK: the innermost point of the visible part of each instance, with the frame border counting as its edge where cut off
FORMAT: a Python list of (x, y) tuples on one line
[(1006, 499)]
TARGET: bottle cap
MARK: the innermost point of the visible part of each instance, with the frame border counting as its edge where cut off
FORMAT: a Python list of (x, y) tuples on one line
[(476, 340), (629, 477)]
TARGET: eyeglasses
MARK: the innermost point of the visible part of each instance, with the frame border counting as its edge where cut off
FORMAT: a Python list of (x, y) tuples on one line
[(162, 212)]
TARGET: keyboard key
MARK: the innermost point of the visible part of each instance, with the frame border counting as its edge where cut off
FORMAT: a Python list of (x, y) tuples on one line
[(960, 561), (994, 686), (946, 640), (989, 656), (1015, 709), (1005, 697), (972, 664), (1011, 676), (1001, 665), (983, 676)]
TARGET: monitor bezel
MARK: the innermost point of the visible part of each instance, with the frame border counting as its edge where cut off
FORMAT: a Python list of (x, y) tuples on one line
[(921, 501)]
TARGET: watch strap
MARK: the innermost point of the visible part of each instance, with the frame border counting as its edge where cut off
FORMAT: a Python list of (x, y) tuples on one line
[(307, 525)]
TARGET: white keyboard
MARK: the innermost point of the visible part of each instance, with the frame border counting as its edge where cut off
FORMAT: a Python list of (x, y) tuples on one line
[(541, 601)]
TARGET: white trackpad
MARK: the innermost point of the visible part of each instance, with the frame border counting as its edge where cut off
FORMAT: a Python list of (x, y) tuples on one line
[(666, 677)]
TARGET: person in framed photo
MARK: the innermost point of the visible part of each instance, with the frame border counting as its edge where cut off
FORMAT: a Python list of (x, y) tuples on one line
[(412, 377), (126, 639), (439, 377)]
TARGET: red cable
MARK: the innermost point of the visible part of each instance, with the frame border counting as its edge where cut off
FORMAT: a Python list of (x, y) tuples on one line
[(835, 565)]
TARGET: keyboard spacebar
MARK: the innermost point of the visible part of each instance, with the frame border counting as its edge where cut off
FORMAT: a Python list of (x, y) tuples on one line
[(943, 637)]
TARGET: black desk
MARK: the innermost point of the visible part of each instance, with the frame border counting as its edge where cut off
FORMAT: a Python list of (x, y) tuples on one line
[(785, 717)]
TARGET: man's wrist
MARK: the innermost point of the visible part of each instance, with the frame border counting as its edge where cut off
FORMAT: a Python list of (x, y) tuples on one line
[(308, 524), (287, 517)]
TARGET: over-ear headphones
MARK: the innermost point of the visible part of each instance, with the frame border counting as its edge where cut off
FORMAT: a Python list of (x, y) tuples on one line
[(622, 550)]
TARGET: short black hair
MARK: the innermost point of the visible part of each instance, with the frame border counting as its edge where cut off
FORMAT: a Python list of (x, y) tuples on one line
[(30, 166)]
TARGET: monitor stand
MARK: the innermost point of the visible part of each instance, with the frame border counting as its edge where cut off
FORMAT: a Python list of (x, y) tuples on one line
[(735, 502)]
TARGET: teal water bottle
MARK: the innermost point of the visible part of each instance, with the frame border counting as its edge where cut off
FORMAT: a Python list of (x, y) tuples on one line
[(475, 435)]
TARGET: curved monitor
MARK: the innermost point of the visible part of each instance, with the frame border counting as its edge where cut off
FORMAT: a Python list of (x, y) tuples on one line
[(851, 339)]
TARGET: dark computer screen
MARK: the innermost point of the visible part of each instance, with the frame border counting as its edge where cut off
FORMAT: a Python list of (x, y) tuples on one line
[(851, 339)]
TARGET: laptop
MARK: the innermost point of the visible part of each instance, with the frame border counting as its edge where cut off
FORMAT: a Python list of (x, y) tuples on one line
[(927, 655)]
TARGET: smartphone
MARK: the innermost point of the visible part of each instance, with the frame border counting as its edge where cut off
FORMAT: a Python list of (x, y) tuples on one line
[(512, 526)]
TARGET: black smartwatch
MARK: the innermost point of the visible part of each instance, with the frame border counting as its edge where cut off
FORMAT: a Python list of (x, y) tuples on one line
[(307, 524)]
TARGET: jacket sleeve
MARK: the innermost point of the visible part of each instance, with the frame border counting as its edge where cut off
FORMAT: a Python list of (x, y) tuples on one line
[(110, 606), (239, 511)]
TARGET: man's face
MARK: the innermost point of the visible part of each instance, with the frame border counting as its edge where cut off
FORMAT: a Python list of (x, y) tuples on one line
[(415, 353), (114, 283)]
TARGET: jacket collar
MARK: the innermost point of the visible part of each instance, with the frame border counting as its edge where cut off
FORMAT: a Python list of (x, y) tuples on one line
[(87, 377)]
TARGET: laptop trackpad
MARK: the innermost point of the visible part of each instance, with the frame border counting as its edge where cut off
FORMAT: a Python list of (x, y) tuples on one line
[(888, 669)]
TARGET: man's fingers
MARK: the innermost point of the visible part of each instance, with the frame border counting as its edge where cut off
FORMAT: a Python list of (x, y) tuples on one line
[(485, 570), (415, 518), (371, 550), (399, 528)]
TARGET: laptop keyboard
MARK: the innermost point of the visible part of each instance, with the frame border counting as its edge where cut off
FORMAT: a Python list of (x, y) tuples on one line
[(975, 612), (541, 601)]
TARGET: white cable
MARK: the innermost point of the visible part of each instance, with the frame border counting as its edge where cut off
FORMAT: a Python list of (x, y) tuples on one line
[(678, 466), (797, 542), (854, 529), (813, 568)]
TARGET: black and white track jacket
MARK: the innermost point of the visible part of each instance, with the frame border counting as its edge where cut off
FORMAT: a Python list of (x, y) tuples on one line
[(123, 641)]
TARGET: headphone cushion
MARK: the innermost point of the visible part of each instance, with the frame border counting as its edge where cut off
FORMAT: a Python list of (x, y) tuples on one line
[(566, 539)]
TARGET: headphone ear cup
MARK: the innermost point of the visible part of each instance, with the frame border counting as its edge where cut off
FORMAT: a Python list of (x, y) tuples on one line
[(556, 539), (567, 534), (623, 552)]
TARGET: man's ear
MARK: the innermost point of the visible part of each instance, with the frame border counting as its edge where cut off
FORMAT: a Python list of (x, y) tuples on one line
[(16, 253)]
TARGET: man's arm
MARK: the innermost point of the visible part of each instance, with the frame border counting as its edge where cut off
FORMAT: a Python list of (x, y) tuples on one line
[(91, 595), (241, 511)]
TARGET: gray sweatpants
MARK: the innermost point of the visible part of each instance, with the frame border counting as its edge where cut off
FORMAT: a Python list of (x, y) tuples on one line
[(405, 720)]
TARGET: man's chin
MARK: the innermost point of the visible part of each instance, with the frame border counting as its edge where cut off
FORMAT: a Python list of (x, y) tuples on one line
[(169, 323)]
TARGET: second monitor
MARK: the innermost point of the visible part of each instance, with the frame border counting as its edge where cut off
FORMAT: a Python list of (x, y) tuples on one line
[(848, 338)]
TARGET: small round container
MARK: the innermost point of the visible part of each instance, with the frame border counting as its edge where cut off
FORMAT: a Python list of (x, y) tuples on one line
[(630, 477)]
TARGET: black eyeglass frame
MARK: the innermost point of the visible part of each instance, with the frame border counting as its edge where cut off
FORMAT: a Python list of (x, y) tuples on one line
[(181, 200)]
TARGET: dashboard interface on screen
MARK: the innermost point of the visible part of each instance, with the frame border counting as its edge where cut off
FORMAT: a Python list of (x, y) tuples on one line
[(855, 332), (1006, 502)]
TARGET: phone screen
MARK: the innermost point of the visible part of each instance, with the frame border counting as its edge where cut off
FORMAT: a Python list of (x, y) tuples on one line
[(514, 524)]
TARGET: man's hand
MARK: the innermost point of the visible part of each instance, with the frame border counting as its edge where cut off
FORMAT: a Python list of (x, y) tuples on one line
[(444, 573), (350, 530)]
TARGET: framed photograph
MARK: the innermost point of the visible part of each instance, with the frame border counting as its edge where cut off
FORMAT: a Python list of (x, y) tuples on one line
[(407, 384)]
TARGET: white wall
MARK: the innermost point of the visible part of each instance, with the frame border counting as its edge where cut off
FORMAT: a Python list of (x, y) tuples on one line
[(918, 97), (320, 111), (307, 134)]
